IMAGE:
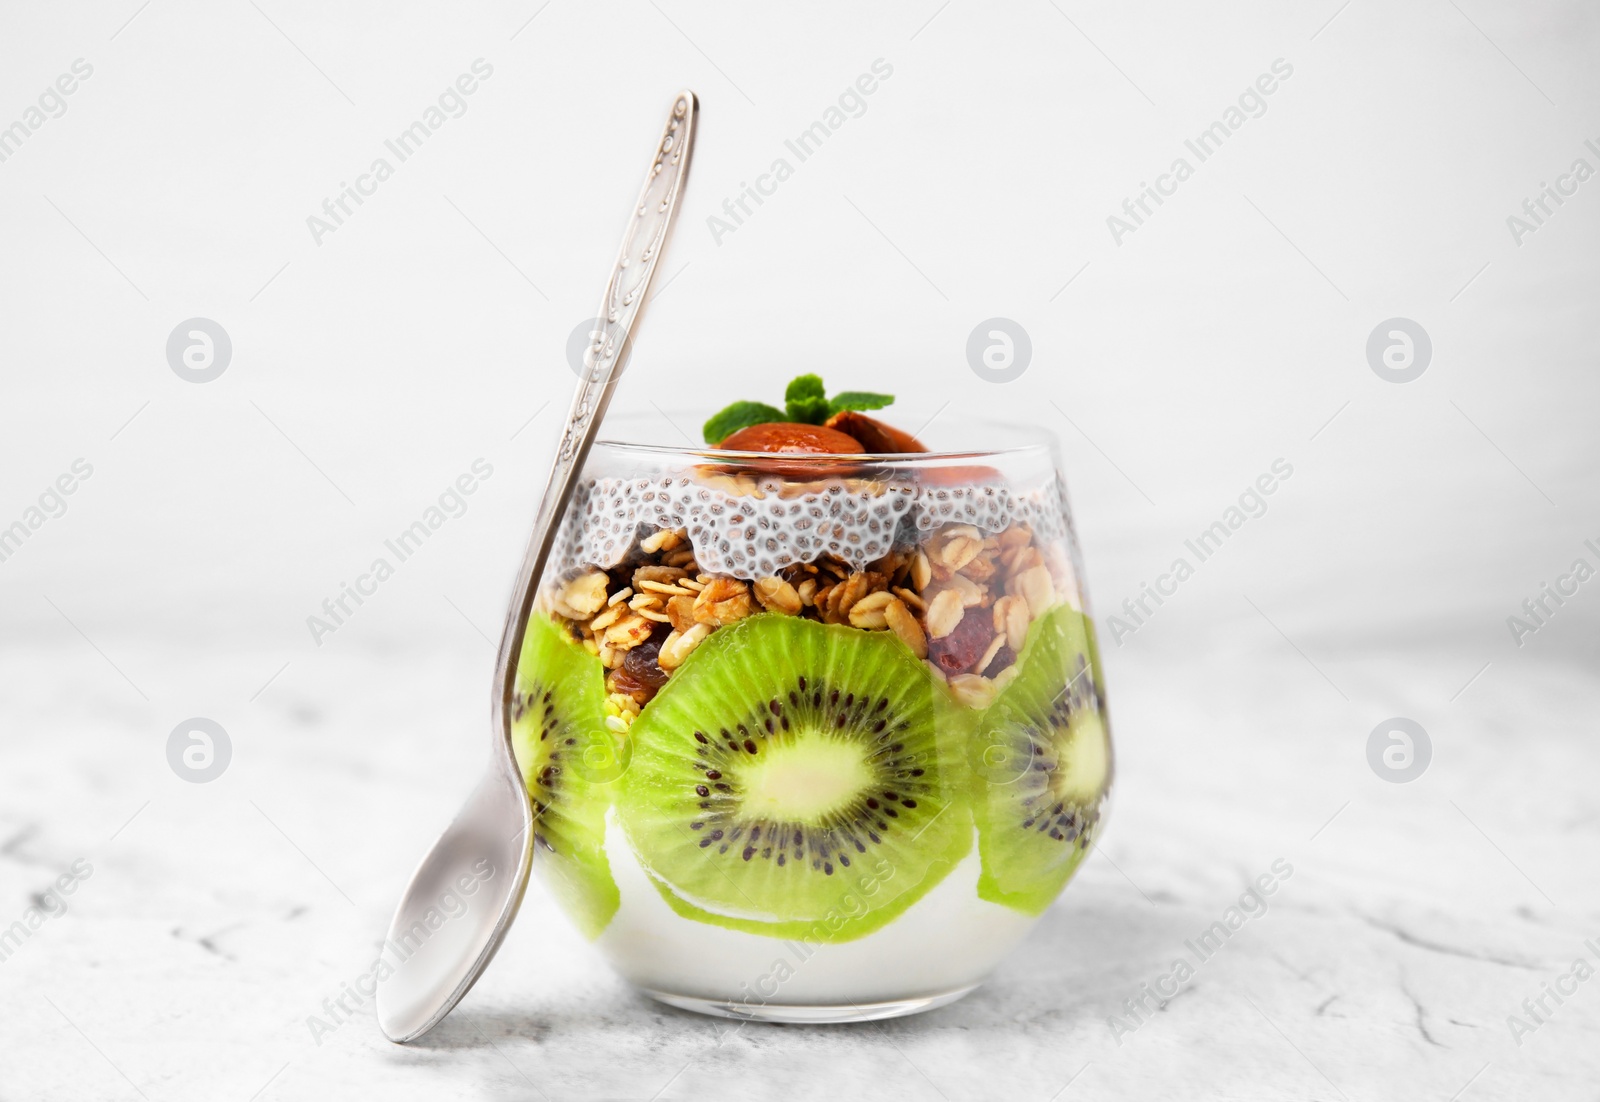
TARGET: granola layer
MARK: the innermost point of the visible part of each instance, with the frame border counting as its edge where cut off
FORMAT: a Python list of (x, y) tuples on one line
[(960, 598)]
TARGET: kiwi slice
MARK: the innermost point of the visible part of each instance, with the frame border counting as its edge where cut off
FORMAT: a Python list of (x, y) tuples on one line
[(1042, 760), (797, 780), (568, 760)]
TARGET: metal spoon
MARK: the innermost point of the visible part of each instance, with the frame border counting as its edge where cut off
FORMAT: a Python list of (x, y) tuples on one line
[(481, 860)]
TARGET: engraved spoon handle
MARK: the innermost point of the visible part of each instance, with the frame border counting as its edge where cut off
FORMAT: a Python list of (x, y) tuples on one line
[(620, 307)]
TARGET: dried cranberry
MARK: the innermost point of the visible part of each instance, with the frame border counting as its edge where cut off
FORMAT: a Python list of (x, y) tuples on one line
[(956, 652)]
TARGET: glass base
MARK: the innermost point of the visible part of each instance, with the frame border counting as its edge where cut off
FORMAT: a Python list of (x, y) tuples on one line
[(822, 1014)]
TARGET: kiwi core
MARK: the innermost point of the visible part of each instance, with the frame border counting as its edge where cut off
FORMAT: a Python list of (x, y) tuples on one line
[(1082, 772), (804, 780)]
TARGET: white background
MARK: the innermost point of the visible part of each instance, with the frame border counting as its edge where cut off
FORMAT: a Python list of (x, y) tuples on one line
[(372, 368)]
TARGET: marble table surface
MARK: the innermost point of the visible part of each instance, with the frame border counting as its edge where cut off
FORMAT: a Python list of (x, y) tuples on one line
[(214, 919)]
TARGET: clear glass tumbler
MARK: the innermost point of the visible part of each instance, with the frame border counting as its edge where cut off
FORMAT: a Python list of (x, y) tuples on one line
[(812, 738)]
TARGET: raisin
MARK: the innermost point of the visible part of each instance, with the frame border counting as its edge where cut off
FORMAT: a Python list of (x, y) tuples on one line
[(640, 672)]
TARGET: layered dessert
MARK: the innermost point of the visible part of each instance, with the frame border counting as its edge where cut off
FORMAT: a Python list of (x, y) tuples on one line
[(812, 719)]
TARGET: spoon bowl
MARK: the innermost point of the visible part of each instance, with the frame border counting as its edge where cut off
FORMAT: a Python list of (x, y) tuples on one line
[(478, 863)]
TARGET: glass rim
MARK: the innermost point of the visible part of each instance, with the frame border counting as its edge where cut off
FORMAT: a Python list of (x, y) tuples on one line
[(1038, 441)]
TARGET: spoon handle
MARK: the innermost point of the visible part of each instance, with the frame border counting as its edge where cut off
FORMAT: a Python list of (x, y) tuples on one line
[(626, 291), (437, 969)]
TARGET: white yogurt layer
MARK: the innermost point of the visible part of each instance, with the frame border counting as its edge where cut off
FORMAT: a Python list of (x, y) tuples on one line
[(949, 939)]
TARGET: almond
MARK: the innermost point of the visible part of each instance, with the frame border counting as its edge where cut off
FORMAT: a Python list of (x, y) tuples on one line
[(874, 435), (806, 443), (792, 439)]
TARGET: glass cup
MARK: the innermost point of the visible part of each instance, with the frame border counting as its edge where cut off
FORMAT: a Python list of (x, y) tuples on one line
[(812, 738)]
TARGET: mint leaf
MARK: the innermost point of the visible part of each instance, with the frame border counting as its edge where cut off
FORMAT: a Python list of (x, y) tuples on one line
[(804, 386), (809, 411), (740, 415), (859, 400), (806, 401)]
